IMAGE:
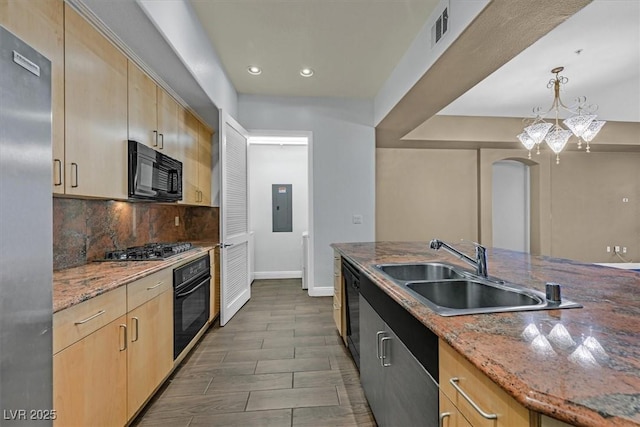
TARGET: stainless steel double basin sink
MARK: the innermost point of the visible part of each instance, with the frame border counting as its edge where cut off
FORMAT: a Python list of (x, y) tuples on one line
[(450, 291)]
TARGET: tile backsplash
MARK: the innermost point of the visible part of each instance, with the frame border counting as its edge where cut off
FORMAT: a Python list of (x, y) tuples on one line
[(83, 230)]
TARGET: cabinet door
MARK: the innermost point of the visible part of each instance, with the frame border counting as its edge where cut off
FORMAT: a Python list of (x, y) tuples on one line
[(95, 112), (337, 295), (188, 126), (204, 164), (90, 379), (487, 395), (168, 135), (372, 329), (215, 286), (450, 416), (150, 352), (142, 107), (411, 397), (39, 23)]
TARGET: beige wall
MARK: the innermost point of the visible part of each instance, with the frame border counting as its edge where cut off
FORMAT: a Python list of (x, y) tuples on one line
[(587, 207), (577, 207), (426, 194)]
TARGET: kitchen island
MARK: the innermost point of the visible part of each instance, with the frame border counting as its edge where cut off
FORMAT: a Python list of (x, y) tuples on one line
[(581, 391)]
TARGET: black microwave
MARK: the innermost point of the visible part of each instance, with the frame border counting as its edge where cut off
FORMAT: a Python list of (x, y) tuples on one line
[(153, 176)]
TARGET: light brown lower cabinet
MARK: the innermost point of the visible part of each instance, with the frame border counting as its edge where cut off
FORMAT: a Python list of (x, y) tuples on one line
[(90, 379), (339, 303), (103, 375), (214, 304), (150, 349), (450, 416), (475, 396)]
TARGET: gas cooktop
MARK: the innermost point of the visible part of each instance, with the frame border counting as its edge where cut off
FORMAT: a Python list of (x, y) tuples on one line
[(148, 252)]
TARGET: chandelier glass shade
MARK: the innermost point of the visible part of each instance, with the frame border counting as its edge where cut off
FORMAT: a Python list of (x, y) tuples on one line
[(582, 123)]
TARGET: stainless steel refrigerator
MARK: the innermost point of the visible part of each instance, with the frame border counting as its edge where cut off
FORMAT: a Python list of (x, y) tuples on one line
[(26, 257)]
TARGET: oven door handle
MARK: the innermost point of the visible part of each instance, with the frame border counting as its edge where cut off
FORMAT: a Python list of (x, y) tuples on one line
[(191, 281), (184, 294)]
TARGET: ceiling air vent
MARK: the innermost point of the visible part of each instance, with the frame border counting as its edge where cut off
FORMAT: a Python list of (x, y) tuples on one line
[(440, 27)]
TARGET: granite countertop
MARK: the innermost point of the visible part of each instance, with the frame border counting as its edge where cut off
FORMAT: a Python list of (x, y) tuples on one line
[(74, 285), (599, 389)]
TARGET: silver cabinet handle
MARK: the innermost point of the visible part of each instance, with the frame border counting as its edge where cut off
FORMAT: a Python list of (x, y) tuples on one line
[(384, 353), (154, 286), (378, 344), (454, 383), (441, 418), (155, 137), (74, 167), (100, 313), (135, 329), (59, 163), (124, 341), (161, 140)]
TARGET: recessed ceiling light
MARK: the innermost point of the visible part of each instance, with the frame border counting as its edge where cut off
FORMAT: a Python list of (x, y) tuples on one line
[(306, 72), (253, 70)]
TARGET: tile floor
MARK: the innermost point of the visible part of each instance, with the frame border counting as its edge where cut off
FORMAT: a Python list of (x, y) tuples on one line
[(278, 362)]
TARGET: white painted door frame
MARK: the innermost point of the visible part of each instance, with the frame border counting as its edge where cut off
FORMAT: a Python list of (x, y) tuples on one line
[(309, 136)]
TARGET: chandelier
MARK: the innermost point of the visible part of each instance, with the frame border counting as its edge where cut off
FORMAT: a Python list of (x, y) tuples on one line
[(582, 123)]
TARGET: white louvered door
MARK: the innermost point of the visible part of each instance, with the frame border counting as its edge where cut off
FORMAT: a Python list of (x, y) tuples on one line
[(235, 288)]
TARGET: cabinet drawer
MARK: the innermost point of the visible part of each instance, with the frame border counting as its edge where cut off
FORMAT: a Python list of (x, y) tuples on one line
[(449, 414), (488, 396), (75, 323), (148, 287)]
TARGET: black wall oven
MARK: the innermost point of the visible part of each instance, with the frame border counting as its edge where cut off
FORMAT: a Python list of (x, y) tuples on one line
[(191, 303)]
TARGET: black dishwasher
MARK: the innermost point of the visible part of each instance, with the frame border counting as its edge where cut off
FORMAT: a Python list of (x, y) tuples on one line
[(351, 283)]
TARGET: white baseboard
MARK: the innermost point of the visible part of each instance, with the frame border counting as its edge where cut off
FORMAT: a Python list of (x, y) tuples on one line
[(278, 275), (321, 292)]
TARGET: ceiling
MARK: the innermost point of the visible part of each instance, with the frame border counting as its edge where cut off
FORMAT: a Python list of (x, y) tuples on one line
[(352, 45), (599, 47)]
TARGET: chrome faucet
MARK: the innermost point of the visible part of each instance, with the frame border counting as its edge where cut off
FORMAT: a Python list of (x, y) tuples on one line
[(480, 263)]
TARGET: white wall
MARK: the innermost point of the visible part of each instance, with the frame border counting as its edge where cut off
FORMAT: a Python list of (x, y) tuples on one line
[(421, 56), (510, 198), (343, 153), (277, 255), (177, 22)]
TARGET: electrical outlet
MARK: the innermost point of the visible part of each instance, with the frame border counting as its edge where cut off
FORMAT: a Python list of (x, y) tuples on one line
[(608, 249), (177, 221), (624, 249), (357, 219), (616, 249)]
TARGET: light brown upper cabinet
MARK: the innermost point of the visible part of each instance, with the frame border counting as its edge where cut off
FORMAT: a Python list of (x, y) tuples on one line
[(143, 118), (96, 112), (204, 164), (153, 114), (39, 23), (168, 110), (195, 141)]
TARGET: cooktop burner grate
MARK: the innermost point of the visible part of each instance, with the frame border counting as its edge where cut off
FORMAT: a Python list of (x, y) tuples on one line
[(148, 252)]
